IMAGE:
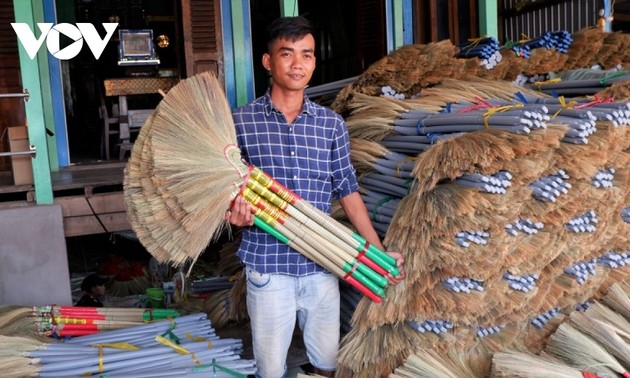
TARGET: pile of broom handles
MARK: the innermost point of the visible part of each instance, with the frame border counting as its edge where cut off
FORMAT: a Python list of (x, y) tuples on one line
[(297, 223), (78, 321)]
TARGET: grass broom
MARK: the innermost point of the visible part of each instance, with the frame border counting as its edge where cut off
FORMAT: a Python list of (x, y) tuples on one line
[(582, 352), (370, 255), (618, 300), (525, 365), (604, 334), (195, 167)]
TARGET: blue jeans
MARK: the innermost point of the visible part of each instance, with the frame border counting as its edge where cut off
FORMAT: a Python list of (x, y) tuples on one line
[(272, 303)]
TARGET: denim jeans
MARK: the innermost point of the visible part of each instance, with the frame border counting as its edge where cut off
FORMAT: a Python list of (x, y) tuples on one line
[(273, 300)]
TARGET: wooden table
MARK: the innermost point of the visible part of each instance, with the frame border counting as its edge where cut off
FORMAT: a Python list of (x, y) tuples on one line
[(123, 87)]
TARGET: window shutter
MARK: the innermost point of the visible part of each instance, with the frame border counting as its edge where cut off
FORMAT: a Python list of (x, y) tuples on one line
[(201, 20)]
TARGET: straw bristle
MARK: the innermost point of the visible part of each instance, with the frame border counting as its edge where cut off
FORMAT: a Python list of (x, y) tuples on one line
[(524, 365), (618, 299), (603, 334), (182, 173), (582, 352)]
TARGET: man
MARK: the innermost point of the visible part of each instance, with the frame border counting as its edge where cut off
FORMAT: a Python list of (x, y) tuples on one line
[(93, 287), (305, 147)]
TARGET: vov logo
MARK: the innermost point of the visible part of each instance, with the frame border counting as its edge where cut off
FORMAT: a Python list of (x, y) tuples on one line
[(51, 33)]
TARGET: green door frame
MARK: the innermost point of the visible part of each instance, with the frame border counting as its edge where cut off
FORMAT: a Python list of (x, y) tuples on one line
[(488, 18), (36, 79)]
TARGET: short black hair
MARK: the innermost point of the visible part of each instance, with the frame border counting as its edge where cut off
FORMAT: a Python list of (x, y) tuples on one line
[(291, 28), (92, 281)]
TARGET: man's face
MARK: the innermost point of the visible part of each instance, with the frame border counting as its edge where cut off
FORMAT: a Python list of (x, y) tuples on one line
[(291, 63)]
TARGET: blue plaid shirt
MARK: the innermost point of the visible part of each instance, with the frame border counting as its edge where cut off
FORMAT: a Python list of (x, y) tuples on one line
[(311, 156)]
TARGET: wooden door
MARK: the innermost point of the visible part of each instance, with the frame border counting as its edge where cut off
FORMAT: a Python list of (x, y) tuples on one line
[(437, 20), (203, 48), (12, 112)]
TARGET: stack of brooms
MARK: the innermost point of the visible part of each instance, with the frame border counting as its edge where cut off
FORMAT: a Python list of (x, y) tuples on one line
[(425, 226), (592, 342), (184, 171)]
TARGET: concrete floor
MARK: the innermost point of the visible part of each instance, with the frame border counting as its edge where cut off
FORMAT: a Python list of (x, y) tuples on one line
[(296, 357)]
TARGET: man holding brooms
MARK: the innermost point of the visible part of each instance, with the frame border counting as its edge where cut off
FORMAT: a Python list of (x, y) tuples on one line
[(305, 147)]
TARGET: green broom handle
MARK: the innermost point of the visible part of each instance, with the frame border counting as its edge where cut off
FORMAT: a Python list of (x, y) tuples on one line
[(341, 252), (381, 259), (309, 251), (295, 200), (341, 242), (355, 279)]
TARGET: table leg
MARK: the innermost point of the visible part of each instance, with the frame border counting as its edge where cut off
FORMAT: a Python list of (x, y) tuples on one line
[(123, 120)]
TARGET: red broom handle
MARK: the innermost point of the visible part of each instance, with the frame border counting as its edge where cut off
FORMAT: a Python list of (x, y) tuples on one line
[(322, 238), (286, 200), (258, 221)]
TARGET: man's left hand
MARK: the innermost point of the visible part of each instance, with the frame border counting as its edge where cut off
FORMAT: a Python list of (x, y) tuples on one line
[(394, 280)]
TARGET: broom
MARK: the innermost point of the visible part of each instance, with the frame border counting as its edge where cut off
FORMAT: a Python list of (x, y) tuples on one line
[(602, 333), (199, 187), (618, 300), (525, 365), (582, 352)]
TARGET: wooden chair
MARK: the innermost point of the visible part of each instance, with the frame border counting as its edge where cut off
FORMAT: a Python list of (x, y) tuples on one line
[(108, 130), (136, 119)]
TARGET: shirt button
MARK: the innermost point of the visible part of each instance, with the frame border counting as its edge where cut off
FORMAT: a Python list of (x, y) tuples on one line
[(292, 153), (295, 177)]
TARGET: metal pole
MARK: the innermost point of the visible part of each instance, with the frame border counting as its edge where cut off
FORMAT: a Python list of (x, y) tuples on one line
[(14, 95), (32, 152)]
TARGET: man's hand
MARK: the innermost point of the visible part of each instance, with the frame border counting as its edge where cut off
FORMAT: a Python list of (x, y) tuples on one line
[(394, 280), (240, 214)]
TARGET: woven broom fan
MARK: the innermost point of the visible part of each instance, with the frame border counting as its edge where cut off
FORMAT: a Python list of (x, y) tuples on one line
[(184, 171)]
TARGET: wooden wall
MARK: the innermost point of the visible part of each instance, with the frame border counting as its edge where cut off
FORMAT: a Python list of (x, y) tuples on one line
[(12, 111), (519, 19)]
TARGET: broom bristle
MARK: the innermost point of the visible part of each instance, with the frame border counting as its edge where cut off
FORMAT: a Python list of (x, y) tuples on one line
[(603, 334), (181, 178), (582, 352), (618, 299), (604, 314), (523, 365)]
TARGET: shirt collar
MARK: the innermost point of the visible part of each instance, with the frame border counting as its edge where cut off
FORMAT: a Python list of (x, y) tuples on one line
[(308, 107)]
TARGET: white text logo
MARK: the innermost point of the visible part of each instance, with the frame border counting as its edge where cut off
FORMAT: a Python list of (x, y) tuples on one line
[(51, 33)]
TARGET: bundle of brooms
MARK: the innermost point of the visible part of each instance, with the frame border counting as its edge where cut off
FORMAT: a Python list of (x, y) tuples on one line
[(593, 342), (184, 171), (436, 208), (63, 321)]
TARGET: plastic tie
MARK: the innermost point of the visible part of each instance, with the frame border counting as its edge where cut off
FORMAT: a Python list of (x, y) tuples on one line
[(596, 100), (538, 84), (605, 79), (495, 110), (216, 366), (564, 105), (355, 265)]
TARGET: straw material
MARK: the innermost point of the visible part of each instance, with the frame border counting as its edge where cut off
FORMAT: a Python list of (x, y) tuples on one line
[(582, 352), (604, 334), (176, 203), (436, 209), (617, 298), (523, 365), (429, 364)]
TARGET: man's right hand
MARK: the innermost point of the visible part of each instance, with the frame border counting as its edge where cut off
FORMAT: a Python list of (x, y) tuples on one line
[(240, 214)]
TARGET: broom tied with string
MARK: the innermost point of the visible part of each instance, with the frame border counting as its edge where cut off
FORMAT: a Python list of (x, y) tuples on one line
[(285, 229), (354, 272), (321, 223), (62, 321)]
